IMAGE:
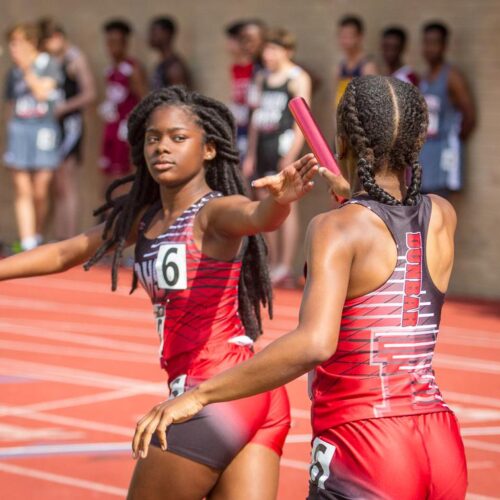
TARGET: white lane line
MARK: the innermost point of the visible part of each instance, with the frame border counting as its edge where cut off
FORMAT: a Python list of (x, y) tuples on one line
[(72, 375), (475, 496), (299, 413), (77, 352), (482, 445), (298, 438), (63, 449), (69, 402), (465, 363), (77, 286), (474, 399), (294, 464), (77, 338), (483, 464), (79, 423), (66, 480), (480, 431), (123, 313), (58, 324)]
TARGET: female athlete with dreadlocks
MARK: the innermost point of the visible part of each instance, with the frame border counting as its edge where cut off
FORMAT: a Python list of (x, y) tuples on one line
[(201, 260), (378, 268)]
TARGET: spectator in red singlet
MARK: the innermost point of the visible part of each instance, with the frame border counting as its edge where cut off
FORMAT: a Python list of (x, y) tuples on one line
[(378, 270), (203, 264), (126, 84), (241, 72)]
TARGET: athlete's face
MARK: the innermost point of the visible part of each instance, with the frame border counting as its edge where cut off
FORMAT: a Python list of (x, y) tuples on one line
[(433, 46), (22, 51), (252, 40), (392, 49), (273, 56), (349, 38), (175, 149), (116, 42), (159, 37), (54, 44)]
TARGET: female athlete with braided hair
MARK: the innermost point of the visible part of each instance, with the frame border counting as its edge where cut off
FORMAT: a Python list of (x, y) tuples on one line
[(378, 269), (199, 256)]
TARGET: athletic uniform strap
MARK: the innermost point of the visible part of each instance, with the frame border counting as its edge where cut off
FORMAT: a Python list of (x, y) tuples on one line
[(402, 220)]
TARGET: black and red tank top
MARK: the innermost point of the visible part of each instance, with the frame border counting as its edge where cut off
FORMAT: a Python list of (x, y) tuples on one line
[(194, 296), (383, 363)]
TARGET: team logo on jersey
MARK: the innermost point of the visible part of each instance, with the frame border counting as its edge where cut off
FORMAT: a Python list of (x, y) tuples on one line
[(413, 279)]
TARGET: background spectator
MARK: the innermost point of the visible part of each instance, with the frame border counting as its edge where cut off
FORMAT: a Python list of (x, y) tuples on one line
[(171, 70), (33, 133), (452, 115), (126, 84), (275, 140), (78, 93), (393, 47)]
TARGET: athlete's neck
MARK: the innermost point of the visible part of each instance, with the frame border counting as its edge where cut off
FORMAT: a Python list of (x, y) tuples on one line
[(435, 66), (392, 182), (176, 200), (354, 56), (392, 68)]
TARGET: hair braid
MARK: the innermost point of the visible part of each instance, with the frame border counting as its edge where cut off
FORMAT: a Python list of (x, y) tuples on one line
[(221, 174), (367, 116)]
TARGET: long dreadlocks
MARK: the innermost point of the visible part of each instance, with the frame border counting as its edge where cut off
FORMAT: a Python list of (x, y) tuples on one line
[(222, 174)]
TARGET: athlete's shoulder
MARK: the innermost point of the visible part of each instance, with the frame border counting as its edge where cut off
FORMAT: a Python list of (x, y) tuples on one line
[(443, 210)]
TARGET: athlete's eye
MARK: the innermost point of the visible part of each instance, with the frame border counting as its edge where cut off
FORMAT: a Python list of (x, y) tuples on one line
[(179, 138), (151, 139)]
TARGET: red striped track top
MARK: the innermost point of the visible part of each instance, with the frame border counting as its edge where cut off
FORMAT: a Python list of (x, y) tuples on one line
[(383, 363)]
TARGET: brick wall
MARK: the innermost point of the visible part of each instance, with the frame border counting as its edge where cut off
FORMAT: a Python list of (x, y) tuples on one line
[(474, 48)]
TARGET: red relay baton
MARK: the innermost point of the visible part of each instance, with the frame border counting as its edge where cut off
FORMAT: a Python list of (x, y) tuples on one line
[(313, 136)]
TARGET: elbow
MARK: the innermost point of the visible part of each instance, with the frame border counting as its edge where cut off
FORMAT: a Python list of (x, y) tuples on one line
[(320, 351)]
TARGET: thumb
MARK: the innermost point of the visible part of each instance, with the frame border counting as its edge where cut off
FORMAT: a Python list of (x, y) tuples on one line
[(327, 175), (264, 182)]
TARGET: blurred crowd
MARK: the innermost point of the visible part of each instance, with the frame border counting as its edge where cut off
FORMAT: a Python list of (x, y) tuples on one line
[(50, 84)]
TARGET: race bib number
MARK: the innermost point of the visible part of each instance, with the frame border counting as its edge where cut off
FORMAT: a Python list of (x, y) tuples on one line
[(177, 386), (159, 311), (321, 457), (46, 139), (171, 268), (434, 108)]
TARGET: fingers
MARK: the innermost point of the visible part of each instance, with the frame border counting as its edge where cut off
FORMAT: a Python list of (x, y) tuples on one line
[(147, 434), (161, 430), (304, 161), (267, 181), (139, 431), (327, 175)]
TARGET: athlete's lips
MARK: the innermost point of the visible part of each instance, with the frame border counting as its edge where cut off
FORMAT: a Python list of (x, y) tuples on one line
[(163, 164)]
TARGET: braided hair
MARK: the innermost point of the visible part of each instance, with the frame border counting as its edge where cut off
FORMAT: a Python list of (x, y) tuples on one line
[(221, 174), (385, 121)]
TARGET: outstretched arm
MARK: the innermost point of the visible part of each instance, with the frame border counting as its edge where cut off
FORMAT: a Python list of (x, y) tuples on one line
[(53, 257), (237, 216), (329, 257), (57, 257)]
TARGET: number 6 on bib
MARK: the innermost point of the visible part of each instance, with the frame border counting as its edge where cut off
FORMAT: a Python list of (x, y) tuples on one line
[(171, 268)]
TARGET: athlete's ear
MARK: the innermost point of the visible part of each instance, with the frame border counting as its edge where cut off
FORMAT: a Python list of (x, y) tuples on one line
[(341, 146), (210, 151)]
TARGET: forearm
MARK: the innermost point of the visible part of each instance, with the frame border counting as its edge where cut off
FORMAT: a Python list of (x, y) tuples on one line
[(53, 257), (40, 87), (77, 102), (46, 259), (282, 361), (268, 215)]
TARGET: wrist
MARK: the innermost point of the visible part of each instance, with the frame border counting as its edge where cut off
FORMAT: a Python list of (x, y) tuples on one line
[(200, 393)]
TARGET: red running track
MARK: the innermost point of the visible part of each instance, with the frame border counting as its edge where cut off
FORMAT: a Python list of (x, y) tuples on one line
[(78, 366)]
